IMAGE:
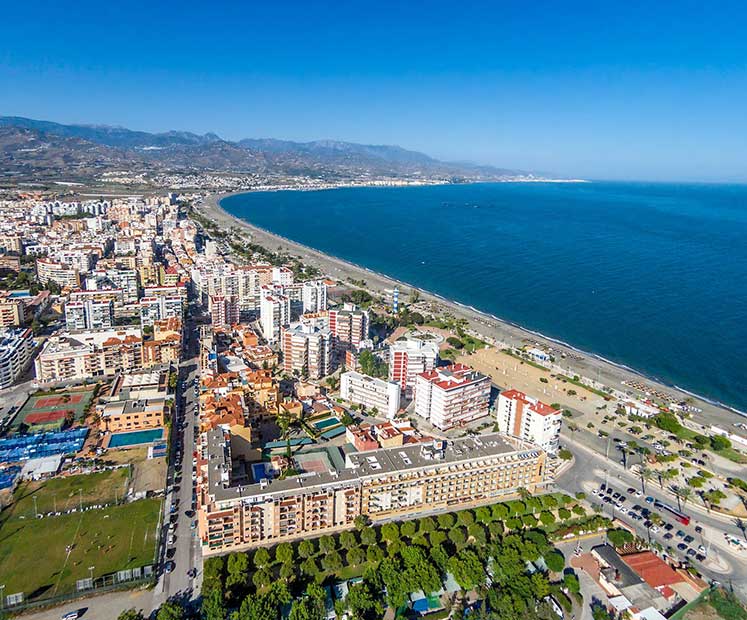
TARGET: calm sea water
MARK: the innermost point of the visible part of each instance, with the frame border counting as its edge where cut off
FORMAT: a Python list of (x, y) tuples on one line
[(653, 276)]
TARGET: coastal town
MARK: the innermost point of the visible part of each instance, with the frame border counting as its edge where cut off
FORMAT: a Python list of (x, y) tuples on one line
[(200, 419)]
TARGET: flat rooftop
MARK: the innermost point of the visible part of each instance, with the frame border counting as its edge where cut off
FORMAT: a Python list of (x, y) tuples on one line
[(361, 465)]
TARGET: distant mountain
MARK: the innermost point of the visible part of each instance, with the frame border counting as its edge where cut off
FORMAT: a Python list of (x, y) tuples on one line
[(43, 149)]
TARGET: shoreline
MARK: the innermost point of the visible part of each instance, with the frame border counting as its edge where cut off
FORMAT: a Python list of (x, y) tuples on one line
[(577, 361)]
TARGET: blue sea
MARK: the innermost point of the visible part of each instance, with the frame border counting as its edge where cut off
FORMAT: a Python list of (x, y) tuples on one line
[(652, 276)]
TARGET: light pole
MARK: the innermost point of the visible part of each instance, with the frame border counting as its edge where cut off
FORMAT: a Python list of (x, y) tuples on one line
[(2, 596), (90, 571), (36, 513)]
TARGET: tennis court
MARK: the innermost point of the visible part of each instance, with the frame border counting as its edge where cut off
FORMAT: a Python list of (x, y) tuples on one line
[(51, 411)]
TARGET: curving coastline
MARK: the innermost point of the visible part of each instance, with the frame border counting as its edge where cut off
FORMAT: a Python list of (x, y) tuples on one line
[(577, 361)]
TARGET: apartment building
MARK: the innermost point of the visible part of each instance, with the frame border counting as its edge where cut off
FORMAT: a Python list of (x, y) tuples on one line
[(137, 401), (158, 308), (370, 392), (94, 353), (314, 296), (452, 396), (64, 275), (89, 314), (307, 349), (274, 313), (349, 326), (409, 358), (12, 312), (224, 310), (401, 482), (529, 419), (16, 348)]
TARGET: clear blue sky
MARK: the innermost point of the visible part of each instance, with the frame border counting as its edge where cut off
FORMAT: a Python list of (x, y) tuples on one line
[(630, 90)]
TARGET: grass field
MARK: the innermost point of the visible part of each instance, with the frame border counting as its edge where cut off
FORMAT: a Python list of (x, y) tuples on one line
[(65, 493), (33, 557)]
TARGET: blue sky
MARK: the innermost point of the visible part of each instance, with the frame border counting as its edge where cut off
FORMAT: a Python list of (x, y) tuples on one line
[(624, 90)]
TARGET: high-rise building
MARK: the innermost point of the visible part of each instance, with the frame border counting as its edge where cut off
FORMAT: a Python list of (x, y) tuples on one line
[(16, 348), (529, 419), (274, 313), (62, 274), (370, 392), (409, 358), (307, 349), (224, 310), (452, 396), (349, 326), (314, 296), (89, 314)]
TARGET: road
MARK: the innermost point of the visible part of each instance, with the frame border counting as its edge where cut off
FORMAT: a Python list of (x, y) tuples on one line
[(723, 564)]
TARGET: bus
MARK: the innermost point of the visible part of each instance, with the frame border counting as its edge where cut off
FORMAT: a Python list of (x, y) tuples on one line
[(679, 516)]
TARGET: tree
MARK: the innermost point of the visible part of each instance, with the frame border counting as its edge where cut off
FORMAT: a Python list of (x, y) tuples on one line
[(476, 532), (129, 614), (332, 562), (390, 532), (306, 548), (465, 517), (310, 606), (467, 569), (356, 556), (327, 544), (618, 537), (362, 602), (719, 442), (426, 525), (171, 610), (457, 536), (547, 518), (361, 522), (261, 558), (570, 581), (213, 607), (309, 567), (238, 573), (555, 561), (284, 553), (262, 578), (565, 454), (369, 536), (564, 513), (446, 521), (374, 554)]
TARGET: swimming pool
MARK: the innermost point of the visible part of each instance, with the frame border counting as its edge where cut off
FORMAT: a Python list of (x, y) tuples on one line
[(135, 438), (322, 424)]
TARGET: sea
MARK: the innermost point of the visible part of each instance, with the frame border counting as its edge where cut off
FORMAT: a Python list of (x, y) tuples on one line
[(652, 276)]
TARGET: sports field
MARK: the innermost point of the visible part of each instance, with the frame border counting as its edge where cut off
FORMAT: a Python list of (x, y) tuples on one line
[(45, 557), (49, 411), (61, 494)]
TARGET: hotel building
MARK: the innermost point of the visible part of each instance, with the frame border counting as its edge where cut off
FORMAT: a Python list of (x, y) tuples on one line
[(529, 419), (371, 392), (388, 483), (409, 358), (452, 396)]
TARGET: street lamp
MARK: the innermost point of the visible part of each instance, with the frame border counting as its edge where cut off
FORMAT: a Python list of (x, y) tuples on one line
[(90, 570)]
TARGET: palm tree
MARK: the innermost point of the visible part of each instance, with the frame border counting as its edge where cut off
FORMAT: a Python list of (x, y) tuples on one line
[(647, 474)]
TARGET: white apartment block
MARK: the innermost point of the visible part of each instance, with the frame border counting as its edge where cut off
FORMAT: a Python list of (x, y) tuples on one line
[(16, 348), (274, 313), (93, 353), (452, 396), (64, 275), (371, 392), (314, 296), (156, 308), (409, 358), (307, 349), (89, 314), (529, 419)]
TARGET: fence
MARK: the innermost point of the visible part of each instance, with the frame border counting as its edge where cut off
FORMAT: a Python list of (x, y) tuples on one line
[(121, 580)]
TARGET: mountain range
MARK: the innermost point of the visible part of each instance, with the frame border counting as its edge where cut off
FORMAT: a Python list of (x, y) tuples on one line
[(41, 150)]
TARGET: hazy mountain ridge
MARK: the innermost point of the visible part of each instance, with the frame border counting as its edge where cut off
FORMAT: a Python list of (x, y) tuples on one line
[(45, 148)]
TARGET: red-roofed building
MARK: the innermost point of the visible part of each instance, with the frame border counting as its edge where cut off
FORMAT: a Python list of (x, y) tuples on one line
[(527, 418), (452, 396), (654, 571)]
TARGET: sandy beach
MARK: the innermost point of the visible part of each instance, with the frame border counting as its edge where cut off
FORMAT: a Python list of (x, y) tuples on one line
[(574, 362)]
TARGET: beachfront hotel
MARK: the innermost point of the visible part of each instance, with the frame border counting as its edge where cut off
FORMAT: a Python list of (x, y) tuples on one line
[(529, 419), (452, 396), (400, 482)]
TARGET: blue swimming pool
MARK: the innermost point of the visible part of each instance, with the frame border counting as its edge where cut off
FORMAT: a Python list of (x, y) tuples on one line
[(135, 438), (322, 424)]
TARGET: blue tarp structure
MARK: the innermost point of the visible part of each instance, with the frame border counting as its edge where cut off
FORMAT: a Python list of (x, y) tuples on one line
[(335, 432), (24, 447)]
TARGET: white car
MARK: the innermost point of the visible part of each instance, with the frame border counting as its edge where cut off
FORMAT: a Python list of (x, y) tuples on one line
[(654, 528)]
